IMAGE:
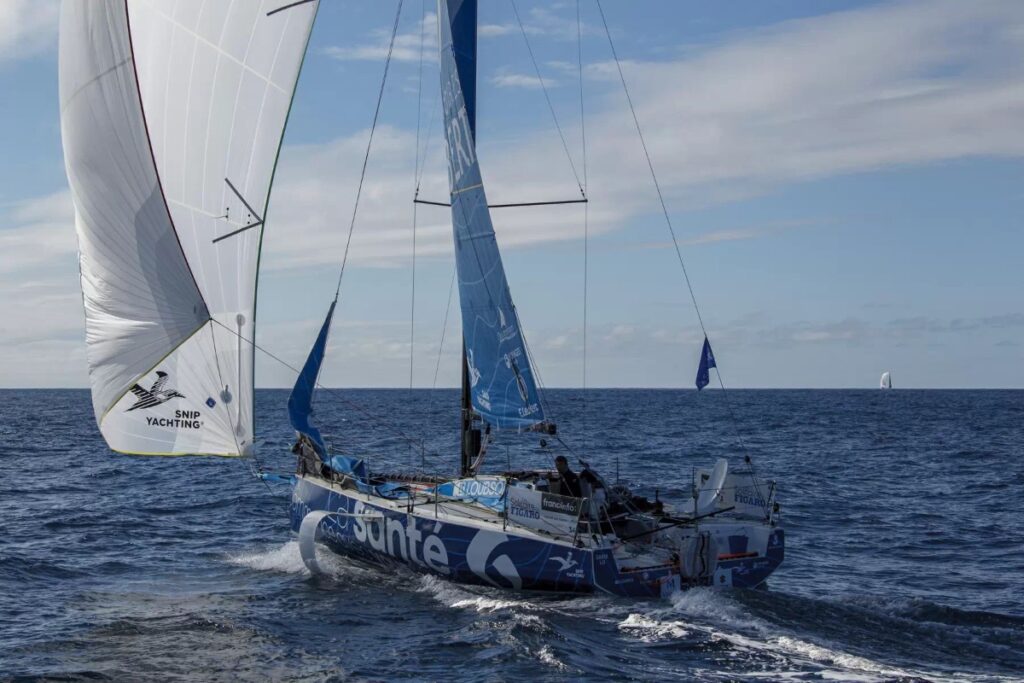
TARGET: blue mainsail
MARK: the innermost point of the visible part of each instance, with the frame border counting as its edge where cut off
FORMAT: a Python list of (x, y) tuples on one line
[(502, 384), (707, 361), (300, 402)]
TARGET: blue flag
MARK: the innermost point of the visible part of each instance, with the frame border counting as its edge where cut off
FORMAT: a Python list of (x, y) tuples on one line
[(707, 361)]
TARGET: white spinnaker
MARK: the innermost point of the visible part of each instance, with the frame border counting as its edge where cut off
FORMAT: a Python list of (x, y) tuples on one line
[(165, 107)]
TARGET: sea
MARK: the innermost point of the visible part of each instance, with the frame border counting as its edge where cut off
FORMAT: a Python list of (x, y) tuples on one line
[(903, 511)]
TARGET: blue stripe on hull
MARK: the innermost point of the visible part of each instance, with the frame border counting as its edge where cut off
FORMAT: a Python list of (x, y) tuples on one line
[(484, 556), (462, 553)]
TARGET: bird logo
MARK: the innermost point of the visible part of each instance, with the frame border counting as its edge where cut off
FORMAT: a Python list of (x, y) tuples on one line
[(155, 395), (566, 562)]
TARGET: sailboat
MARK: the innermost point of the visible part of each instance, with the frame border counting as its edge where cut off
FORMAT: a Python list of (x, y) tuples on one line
[(171, 171), (886, 381)]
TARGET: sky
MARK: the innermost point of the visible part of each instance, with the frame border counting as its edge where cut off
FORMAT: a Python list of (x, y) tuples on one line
[(845, 179)]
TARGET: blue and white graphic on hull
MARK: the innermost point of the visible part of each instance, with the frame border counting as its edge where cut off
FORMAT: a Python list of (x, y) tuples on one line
[(463, 553)]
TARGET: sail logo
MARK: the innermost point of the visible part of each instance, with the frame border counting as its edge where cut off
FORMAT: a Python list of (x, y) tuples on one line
[(461, 154), (484, 399), (476, 488), (155, 395), (461, 149), (747, 496), (522, 508), (506, 331), (405, 541), (561, 504), (183, 419), (510, 362), (474, 374)]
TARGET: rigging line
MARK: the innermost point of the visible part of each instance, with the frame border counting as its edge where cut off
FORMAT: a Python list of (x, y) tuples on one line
[(220, 381), (664, 209), (412, 295), (351, 404), (565, 145), (586, 218), (444, 328), (412, 302), (369, 145), (541, 388), (419, 92), (412, 314), (650, 166), (234, 435), (426, 145)]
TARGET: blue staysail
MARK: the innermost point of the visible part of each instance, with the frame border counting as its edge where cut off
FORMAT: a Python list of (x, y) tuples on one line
[(300, 402), (502, 386)]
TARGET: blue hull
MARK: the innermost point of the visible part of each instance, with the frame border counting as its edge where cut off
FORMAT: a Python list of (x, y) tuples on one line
[(486, 554)]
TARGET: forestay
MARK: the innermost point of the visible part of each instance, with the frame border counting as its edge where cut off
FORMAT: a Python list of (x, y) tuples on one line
[(502, 384), (172, 116)]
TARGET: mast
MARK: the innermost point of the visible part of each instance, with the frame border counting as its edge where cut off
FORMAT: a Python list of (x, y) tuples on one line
[(463, 18)]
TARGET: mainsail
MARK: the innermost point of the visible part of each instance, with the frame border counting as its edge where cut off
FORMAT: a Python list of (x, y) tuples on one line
[(172, 116), (503, 389)]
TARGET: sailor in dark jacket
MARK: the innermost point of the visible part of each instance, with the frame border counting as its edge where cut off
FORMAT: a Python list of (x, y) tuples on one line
[(570, 482)]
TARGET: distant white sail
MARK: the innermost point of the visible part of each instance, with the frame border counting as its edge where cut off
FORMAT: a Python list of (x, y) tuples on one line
[(886, 381), (172, 116)]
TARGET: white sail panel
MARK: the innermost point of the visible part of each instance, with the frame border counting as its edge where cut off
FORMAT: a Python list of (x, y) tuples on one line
[(177, 408), (216, 81), (141, 300), (181, 107)]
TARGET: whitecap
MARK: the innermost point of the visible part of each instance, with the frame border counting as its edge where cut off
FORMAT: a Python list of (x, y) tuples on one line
[(650, 630), (458, 597)]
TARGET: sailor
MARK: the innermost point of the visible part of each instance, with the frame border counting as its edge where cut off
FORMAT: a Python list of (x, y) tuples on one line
[(308, 457), (570, 483)]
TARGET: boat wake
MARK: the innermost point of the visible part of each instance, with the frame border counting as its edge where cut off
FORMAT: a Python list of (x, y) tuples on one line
[(287, 559), (471, 597), (754, 634), (827, 637), (757, 634), (284, 559)]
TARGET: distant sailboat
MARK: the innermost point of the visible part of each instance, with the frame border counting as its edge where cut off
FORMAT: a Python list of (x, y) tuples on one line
[(886, 381)]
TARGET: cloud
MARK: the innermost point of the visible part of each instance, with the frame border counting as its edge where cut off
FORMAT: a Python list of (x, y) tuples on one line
[(41, 318), (37, 233), (846, 92), (857, 331), (510, 80), (542, 22), (409, 46), (493, 30), (27, 27), (887, 86)]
